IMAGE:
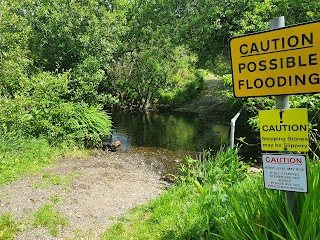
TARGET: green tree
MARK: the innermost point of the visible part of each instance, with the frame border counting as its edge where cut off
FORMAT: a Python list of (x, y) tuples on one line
[(14, 61), (147, 64), (139, 78), (296, 11), (66, 32), (206, 26), (61, 105)]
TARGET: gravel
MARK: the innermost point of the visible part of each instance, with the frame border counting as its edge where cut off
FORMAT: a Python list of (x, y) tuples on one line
[(94, 192)]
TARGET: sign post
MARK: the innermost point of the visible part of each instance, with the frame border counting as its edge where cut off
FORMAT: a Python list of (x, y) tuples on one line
[(279, 62), (282, 102)]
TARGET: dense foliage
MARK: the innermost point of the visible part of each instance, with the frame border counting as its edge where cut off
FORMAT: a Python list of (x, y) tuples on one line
[(61, 60)]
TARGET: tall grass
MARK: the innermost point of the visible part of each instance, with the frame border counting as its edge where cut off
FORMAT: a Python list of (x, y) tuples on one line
[(256, 213)]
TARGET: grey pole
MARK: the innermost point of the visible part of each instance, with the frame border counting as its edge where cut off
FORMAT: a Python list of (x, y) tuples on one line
[(282, 102)]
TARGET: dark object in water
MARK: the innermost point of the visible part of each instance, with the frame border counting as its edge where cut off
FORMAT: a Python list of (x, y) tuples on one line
[(111, 146)]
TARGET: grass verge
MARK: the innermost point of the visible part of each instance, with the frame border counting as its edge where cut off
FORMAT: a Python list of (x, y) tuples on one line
[(20, 156)]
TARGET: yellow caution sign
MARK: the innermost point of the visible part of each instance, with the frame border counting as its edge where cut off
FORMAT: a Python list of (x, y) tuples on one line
[(284, 130), (277, 62)]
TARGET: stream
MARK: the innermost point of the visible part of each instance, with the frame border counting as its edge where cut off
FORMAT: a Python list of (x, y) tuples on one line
[(166, 137), (171, 130)]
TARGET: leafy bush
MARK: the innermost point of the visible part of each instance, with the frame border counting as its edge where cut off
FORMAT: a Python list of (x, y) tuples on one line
[(85, 81), (224, 169), (39, 109)]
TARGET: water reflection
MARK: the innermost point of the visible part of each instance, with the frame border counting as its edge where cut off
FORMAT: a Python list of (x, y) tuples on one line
[(171, 130)]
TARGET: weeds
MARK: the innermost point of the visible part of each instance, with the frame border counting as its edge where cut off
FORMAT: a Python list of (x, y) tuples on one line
[(55, 199), (9, 227), (47, 217)]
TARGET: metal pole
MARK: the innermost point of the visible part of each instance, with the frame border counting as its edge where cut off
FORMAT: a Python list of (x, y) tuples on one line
[(233, 127), (282, 102)]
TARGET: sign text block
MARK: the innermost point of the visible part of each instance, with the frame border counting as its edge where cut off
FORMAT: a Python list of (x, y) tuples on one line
[(277, 62), (284, 130)]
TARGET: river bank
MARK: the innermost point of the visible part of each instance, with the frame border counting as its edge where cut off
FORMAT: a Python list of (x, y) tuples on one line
[(86, 195)]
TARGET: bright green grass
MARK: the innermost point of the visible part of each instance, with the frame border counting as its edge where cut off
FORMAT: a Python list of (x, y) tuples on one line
[(174, 215), (9, 227), (20, 156), (46, 216)]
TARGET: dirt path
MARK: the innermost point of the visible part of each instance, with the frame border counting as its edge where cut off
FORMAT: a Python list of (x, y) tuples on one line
[(210, 100), (89, 193)]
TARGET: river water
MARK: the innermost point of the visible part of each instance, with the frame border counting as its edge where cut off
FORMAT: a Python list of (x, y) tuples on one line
[(167, 137), (169, 130)]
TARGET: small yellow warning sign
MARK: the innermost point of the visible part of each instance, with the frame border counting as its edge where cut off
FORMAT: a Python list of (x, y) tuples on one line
[(284, 130)]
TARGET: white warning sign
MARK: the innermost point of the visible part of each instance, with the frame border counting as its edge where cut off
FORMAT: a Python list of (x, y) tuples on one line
[(285, 172)]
